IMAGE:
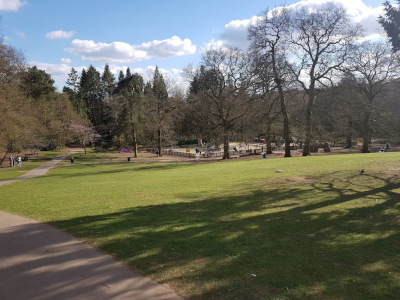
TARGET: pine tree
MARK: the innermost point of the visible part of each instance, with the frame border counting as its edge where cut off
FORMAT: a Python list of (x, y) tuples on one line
[(72, 89), (91, 93), (73, 80), (129, 93), (37, 83), (160, 104), (128, 73), (108, 81), (121, 76), (391, 23)]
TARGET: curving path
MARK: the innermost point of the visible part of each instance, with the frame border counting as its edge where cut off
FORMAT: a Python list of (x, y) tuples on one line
[(40, 262)]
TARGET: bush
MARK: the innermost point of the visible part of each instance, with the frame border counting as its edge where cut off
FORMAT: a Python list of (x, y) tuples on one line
[(49, 147), (187, 141)]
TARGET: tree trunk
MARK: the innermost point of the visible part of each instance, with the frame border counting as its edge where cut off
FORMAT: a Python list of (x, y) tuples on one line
[(4, 157), (226, 145), (268, 138), (84, 146), (307, 142), (159, 141), (286, 132), (349, 136), (134, 141), (367, 135)]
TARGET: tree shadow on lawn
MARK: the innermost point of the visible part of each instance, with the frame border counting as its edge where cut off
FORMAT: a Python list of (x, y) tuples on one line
[(262, 245)]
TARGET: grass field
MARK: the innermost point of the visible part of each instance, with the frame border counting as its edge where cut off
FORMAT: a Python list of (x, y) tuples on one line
[(295, 228)]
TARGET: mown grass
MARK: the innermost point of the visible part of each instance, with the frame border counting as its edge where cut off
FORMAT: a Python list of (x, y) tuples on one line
[(299, 228), (9, 173)]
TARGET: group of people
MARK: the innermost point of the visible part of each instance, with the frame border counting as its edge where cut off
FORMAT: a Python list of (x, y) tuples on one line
[(17, 159)]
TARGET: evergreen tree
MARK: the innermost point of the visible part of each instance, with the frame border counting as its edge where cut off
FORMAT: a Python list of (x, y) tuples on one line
[(121, 76), (72, 89), (37, 83), (129, 92), (128, 73), (73, 80), (108, 81), (90, 92), (391, 23), (159, 105)]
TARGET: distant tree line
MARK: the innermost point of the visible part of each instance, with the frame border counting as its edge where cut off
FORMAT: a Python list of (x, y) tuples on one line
[(306, 78)]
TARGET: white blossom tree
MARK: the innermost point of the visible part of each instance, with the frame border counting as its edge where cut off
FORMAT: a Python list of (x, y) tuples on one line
[(85, 134)]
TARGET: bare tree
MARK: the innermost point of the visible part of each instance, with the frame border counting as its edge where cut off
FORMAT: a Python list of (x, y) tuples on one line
[(268, 46), (345, 109), (223, 90), (12, 63), (321, 42), (374, 67)]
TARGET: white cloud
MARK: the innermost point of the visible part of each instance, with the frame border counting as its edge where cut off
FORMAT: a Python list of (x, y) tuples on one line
[(147, 72), (21, 34), (60, 34), (55, 70), (65, 60), (357, 12), (11, 5), (120, 52), (235, 33)]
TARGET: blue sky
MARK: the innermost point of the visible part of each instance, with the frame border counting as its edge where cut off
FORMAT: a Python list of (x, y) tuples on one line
[(56, 35)]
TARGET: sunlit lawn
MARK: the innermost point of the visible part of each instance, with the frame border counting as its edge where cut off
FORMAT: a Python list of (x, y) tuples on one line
[(298, 228)]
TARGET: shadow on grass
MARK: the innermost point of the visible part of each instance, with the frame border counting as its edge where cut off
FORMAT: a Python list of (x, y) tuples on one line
[(264, 244)]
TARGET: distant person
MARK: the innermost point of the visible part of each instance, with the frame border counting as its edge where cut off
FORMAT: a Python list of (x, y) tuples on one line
[(19, 160), (387, 146), (12, 161)]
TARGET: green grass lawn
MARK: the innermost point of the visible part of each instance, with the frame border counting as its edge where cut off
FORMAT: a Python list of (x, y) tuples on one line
[(290, 228), (9, 173)]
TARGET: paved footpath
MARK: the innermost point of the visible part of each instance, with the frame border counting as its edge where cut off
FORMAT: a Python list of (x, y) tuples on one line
[(40, 262), (40, 170)]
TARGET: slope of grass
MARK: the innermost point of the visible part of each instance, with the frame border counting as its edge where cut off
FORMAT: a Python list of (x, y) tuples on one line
[(299, 228)]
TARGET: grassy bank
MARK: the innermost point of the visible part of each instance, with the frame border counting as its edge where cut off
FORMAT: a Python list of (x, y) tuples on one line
[(298, 228)]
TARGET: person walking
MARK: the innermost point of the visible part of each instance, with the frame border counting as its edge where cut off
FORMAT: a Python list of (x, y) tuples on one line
[(12, 161), (19, 160)]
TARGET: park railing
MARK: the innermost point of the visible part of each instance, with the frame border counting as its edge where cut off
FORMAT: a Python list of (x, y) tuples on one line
[(178, 153), (210, 153)]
